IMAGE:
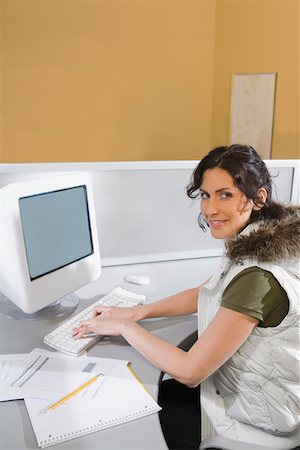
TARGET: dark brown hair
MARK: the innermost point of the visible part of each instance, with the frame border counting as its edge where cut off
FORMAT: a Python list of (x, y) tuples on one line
[(249, 173)]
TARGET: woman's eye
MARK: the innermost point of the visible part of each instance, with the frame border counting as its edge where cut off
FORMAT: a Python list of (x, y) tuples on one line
[(204, 195), (225, 195)]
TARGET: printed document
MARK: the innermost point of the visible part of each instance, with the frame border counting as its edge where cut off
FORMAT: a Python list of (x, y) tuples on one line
[(50, 375)]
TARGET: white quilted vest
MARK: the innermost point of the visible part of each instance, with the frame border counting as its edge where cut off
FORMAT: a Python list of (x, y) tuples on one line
[(254, 396)]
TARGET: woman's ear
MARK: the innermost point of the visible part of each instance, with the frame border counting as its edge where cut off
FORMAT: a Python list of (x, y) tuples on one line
[(261, 199)]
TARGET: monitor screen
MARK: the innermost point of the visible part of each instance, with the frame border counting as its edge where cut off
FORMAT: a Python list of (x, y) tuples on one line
[(56, 229)]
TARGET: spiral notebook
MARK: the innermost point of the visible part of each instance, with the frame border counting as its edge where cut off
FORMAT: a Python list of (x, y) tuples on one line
[(120, 400)]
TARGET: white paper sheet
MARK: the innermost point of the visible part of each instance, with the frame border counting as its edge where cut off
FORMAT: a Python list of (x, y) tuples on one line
[(51, 375), (11, 366), (121, 400)]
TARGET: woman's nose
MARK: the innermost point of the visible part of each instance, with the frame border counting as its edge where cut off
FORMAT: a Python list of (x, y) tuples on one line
[(209, 207)]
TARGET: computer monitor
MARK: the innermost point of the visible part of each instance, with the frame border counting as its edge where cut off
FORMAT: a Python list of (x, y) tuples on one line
[(48, 245)]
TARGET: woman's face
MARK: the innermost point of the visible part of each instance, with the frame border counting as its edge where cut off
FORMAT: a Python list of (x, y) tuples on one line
[(225, 208)]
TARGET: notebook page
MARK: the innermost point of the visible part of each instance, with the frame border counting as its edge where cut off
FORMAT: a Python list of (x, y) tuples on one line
[(120, 400)]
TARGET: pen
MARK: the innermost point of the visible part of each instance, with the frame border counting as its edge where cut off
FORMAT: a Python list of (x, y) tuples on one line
[(71, 394)]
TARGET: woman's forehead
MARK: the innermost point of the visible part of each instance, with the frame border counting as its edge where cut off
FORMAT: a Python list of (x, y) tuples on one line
[(217, 178)]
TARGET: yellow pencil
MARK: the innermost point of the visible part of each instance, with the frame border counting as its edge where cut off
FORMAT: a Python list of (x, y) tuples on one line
[(137, 378), (71, 394)]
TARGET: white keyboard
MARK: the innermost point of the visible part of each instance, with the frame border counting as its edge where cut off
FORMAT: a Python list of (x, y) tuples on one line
[(61, 338)]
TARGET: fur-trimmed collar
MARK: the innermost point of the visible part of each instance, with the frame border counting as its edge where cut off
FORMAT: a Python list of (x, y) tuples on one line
[(268, 241)]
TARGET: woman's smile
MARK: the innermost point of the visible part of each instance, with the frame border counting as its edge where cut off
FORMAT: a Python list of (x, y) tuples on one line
[(216, 223)]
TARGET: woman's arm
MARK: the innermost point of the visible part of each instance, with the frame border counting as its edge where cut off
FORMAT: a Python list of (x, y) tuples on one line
[(221, 339), (179, 304)]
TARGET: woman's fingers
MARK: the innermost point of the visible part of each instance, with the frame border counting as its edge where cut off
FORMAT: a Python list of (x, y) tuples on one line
[(100, 325), (82, 329)]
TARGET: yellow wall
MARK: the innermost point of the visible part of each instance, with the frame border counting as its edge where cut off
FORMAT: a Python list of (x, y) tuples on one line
[(107, 80), (101, 80), (259, 36)]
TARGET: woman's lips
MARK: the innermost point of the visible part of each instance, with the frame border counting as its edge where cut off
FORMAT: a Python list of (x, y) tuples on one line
[(216, 223)]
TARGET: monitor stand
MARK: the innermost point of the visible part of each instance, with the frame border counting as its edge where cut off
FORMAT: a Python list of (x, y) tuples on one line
[(62, 307)]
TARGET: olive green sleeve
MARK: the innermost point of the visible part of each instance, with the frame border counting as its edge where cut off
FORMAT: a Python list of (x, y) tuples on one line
[(256, 293)]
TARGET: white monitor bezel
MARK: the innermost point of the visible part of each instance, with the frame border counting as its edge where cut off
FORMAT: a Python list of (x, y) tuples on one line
[(15, 283)]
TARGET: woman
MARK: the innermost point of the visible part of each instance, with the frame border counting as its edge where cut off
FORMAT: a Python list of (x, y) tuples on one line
[(245, 357)]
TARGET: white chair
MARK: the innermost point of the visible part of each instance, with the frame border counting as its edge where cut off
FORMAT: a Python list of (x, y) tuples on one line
[(222, 443)]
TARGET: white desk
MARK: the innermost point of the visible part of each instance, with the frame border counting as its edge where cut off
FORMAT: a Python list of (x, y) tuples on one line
[(22, 336)]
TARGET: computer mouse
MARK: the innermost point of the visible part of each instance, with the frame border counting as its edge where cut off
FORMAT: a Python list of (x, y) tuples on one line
[(137, 279)]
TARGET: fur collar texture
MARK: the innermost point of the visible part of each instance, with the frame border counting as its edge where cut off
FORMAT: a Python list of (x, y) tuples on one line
[(268, 241)]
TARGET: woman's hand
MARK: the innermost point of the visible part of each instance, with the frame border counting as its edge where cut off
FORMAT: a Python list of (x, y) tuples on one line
[(100, 324), (108, 320)]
